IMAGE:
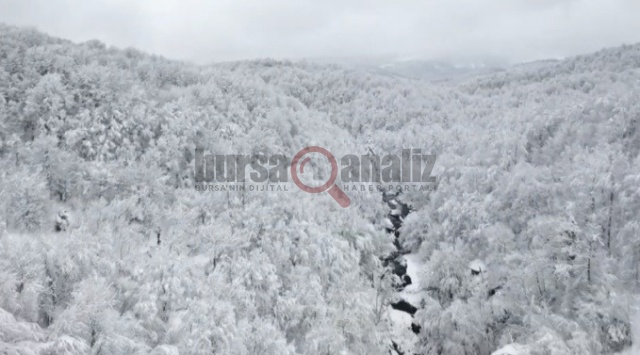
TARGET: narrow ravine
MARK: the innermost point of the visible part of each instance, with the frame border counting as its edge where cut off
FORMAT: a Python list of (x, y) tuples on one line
[(405, 265)]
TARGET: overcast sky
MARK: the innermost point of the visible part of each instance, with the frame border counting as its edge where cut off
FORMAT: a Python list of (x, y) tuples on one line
[(221, 30)]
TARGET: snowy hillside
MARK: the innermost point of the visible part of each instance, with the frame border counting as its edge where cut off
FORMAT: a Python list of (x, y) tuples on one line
[(530, 240)]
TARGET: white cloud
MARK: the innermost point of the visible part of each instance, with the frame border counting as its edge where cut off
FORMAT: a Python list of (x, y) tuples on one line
[(513, 30)]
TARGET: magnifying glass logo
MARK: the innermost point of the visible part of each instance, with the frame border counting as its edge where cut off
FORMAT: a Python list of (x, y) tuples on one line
[(333, 189)]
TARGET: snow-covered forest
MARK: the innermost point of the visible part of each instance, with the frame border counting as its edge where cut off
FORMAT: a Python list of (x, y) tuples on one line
[(529, 244)]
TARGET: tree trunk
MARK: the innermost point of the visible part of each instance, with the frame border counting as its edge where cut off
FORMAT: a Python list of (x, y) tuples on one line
[(609, 223)]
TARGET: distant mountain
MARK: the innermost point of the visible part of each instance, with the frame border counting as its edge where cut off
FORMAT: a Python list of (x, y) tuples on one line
[(421, 69), (436, 70)]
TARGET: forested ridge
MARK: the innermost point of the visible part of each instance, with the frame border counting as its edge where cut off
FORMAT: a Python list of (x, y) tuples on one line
[(531, 240)]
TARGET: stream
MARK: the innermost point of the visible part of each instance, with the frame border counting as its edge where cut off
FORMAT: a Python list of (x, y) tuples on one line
[(406, 266)]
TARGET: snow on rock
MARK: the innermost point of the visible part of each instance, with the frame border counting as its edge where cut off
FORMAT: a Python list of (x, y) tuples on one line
[(513, 349), (388, 224), (477, 266), (412, 293), (402, 335), (165, 350)]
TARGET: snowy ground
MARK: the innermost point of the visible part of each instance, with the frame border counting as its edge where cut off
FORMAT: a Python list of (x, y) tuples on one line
[(635, 333), (518, 349)]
